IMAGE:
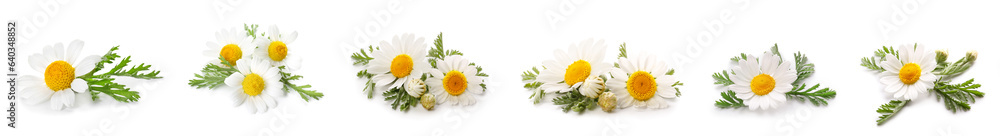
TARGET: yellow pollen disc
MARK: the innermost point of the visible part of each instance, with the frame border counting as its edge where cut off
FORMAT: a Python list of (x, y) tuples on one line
[(401, 66), (231, 53), (762, 84), (455, 83), (59, 75), (253, 84), (910, 73), (577, 72), (641, 85), (277, 51)]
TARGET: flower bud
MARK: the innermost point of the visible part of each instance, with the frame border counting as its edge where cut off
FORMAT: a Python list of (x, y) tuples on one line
[(415, 87), (607, 101), (971, 56), (592, 87), (427, 100), (941, 55)]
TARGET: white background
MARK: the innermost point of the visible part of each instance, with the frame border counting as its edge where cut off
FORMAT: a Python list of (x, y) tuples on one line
[(506, 38)]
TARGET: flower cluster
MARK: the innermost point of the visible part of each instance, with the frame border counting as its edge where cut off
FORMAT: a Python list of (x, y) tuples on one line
[(257, 66), (913, 71), (764, 83), (399, 71), (581, 80)]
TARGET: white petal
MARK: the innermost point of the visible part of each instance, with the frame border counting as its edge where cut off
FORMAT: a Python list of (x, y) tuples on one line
[(235, 80), (239, 97), (73, 50), (38, 62), (79, 85), (86, 64)]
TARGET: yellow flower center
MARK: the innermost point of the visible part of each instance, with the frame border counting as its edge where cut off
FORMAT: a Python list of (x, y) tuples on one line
[(277, 51), (231, 53), (59, 75), (762, 84), (455, 83), (910, 73), (401, 66), (253, 84), (577, 72), (641, 85)]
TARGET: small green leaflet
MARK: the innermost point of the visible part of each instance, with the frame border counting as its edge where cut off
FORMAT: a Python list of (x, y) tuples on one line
[(104, 83)]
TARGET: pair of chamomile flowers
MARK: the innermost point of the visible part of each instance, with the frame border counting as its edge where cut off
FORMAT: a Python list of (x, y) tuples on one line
[(407, 73), (580, 79), (255, 66)]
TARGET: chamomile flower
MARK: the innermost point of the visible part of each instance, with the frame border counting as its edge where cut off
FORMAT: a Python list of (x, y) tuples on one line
[(909, 74), (231, 44), (570, 69), (762, 84), (274, 48), (642, 81), (256, 82), (398, 62), (60, 67), (454, 80)]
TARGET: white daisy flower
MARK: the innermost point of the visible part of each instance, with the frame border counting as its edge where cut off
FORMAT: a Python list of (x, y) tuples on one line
[(232, 44), (452, 79), (642, 81), (60, 67), (274, 48), (909, 75), (569, 69), (256, 82), (399, 62), (763, 84)]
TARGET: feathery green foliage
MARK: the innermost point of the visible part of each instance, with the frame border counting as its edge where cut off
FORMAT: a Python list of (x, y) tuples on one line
[(213, 76), (872, 63), (803, 69), (302, 90), (816, 97), (890, 109), (722, 78), (729, 100), (957, 96), (104, 83), (575, 101), (400, 99)]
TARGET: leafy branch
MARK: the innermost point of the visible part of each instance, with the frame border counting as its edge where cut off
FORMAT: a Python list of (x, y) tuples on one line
[(729, 100), (438, 51), (287, 78), (104, 83), (722, 78), (576, 102), (889, 109), (872, 63), (400, 99), (529, 77), (362, 58), (212, 75), (957, 96), (816, 97), (802, 68)]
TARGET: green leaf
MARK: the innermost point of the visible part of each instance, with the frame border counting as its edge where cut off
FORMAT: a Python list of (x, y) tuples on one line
[(774, 49), (576, 102), (953, 69), (816, 97), (729, 100), (104, 83), (302, 90), (802, 68), (722, 78), (742, 56), (957, 97), (400, 99), (889, 109), (251, 30), (212, 76), (361, 57), (529, 77), (872, 63), (621, 50)]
